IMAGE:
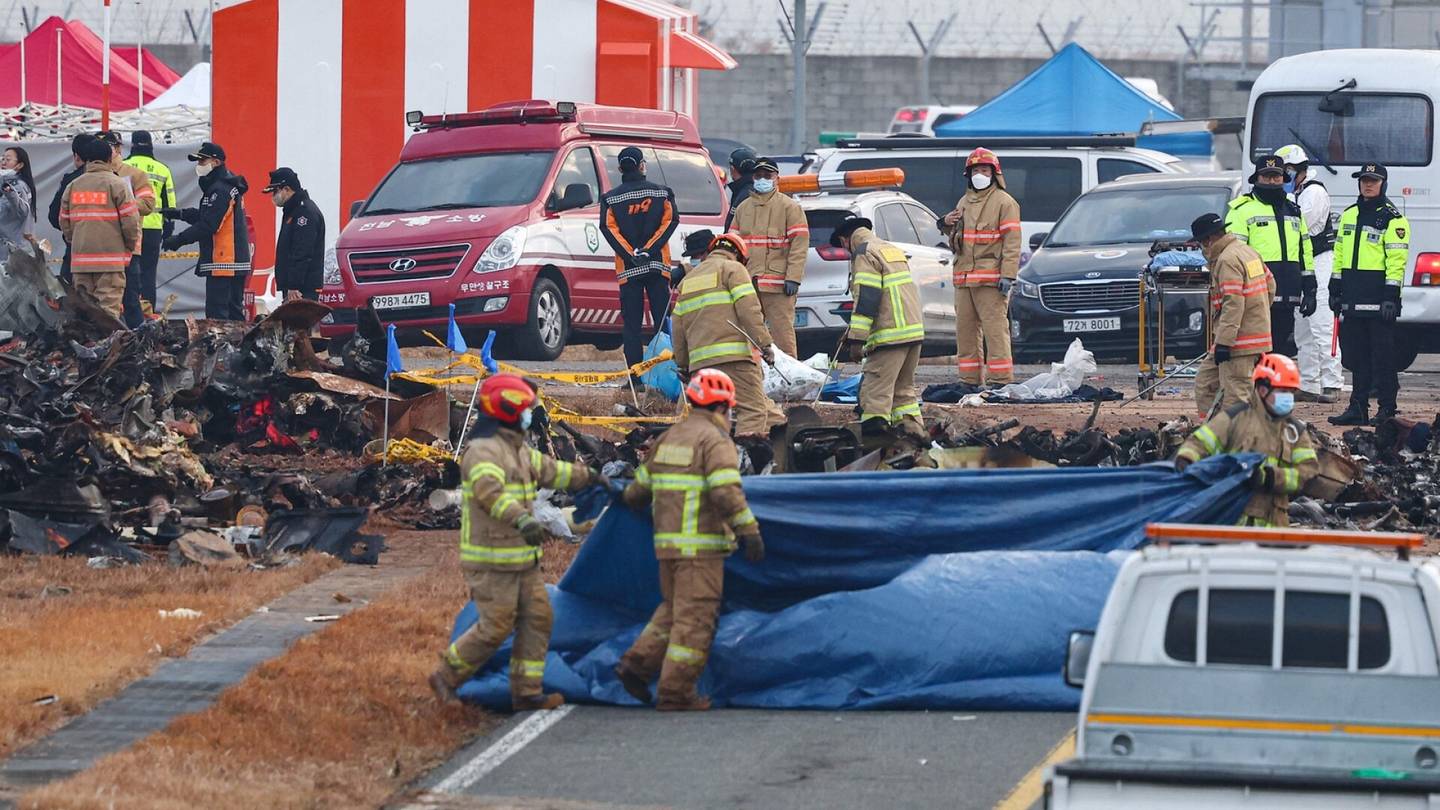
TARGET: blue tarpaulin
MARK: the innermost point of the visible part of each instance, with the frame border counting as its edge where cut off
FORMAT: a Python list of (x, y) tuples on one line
[(959, 593), (1075, 94)]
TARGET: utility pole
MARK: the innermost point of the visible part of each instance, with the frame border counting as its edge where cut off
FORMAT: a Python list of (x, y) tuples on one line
[(799, 44), (927, 52)]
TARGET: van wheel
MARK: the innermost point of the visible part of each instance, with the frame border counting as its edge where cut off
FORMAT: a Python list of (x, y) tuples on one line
[(548, 327)]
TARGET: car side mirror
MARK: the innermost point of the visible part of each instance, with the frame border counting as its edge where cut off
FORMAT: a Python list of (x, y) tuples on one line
[(355, 208), (1077, 657), (1036, 240), (577, 195)]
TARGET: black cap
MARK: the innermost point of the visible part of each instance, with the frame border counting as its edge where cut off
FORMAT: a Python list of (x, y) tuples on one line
[(110, 137), (1206, 226), (698, 242), (740, 157), (765, 163), (283, 177), (94, 149), (1267, 164), (208, 150), (846, 227), (1375, 170), (141, 137), (631, 157)]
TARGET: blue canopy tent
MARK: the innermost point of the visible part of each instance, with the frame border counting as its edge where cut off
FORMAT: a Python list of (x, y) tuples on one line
[(1075, 94)]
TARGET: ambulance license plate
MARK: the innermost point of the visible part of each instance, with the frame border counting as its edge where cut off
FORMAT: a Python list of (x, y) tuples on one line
[(406, 300), (1092, 324)]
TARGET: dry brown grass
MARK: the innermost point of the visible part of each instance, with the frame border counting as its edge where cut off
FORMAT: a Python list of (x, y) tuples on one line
[(82, 633), (342, 719)]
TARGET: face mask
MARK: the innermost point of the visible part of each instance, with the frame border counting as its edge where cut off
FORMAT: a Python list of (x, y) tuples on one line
[(1284, 403), (278, 198), (7, 174), (764, 185), (202, 169), (526, 417), (695, 261), (1270, 194), (980, 182), (1289, 185)]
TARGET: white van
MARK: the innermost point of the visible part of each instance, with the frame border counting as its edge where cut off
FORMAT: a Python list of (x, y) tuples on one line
[(1346, 107)]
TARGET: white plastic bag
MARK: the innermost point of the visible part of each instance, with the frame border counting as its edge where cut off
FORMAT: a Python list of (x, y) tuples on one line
[(800, 382), (1060, 381), (551, 516)]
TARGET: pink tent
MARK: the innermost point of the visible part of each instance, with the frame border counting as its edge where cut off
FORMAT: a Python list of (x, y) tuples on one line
[(81, 53), (154, 67)]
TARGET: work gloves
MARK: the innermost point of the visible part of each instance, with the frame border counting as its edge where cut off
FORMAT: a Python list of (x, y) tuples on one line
[(855, 350), (1308, 290), (769, 354), (1337, 295), (754, 546), (792, 288), (1389, 311), (1005, 285), (1263, 478), (639, 258), (172, 243), (533, 532), (1221, 354)]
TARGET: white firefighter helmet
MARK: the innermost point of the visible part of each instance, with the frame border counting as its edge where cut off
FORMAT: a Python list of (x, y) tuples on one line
[(1292, 155)]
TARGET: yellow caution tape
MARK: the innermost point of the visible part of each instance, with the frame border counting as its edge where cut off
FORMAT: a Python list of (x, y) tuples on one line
[(560, 413), (407, 451), (442, 376)]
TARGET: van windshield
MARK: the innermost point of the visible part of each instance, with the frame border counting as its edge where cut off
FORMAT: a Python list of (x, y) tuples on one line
[(1136, 215), (1353, 128), (466, 181)]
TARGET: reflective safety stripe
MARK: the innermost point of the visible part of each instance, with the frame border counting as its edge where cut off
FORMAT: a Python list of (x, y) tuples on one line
[(715, 350), (677, 481), (1189, 453), (1252, 341), (897, 334), (452, 657), (690, 543), (742, 518), (740, 291), (867, 279), (499, 555), (642, 476), (721, 478), (685, 655), (652, 629), (1303, 454), (913, 409), (1291, 479), (497, 509), (1207, 439), (897, 280), (710, 299), (861, 322), (527, 668)]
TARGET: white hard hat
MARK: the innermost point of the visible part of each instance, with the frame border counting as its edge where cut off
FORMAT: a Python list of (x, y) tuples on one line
[(1292, 155)]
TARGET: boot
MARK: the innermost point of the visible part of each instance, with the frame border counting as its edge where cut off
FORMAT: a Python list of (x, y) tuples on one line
[(1385, 414), (444, 692), (697, 704), (636, 686), (537, 703), (1353, 415), (1310, 396)]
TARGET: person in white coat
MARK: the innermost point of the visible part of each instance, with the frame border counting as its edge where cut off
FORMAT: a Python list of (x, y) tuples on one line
[(1320, 372)]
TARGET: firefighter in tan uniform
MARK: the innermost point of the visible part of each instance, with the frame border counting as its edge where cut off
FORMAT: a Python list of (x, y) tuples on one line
[(101, 221), (692, 479), (984, 231), (715, 313), (500, 545), (1241, 289), (774, 229), (885, 328), (1262, 424)]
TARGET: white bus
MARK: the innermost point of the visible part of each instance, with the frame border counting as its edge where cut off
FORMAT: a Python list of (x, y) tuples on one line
[(1347, 107)]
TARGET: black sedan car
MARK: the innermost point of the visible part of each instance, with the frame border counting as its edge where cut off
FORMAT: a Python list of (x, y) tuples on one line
[(1084, 279)]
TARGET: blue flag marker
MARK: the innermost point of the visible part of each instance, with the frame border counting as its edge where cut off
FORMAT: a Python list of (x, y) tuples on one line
[(485, 357), (392, 352), (454, 341)]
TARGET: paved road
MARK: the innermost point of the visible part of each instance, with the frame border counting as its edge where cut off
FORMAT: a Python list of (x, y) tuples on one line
[(609, 757)]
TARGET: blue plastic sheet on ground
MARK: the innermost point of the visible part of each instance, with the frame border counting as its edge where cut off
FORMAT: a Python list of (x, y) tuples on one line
[(960, 593), (846, 390)]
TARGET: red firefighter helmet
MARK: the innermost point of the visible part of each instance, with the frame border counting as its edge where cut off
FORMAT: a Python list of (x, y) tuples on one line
[(735, 241), (980, 157), (1277, 370), (506, 396), (709, 386)]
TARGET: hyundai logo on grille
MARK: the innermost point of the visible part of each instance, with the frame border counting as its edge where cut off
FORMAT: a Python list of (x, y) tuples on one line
[(403, 265)]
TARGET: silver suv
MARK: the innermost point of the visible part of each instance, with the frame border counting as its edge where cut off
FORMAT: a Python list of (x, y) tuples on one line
[(822, 310)]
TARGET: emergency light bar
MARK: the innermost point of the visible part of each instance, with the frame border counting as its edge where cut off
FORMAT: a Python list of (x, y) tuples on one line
[(1402, 542), (520, 112), (832, 181), (912, 141)]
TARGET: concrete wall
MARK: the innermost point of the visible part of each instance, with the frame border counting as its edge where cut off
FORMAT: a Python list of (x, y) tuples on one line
[(752, 103)]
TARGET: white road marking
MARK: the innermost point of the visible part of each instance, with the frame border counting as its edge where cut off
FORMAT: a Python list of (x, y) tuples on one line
[(504, 748)]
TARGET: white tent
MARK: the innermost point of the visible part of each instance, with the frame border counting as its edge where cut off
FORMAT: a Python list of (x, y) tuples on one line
[(192, 90)]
